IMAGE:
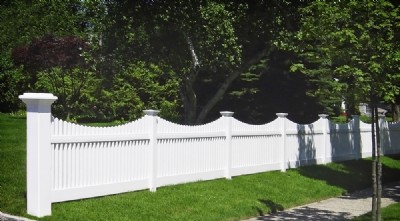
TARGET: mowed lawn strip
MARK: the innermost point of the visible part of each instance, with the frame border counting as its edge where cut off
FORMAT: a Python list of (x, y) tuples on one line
[(391, 212), (241, 197), (12, 164)]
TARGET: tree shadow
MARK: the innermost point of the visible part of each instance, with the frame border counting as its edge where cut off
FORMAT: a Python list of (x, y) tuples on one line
[(345, 141), (272, 206), (307, 151), (394, 157), (390, 137), (349, 175), (352, 172), (307, 213), (320, 211)]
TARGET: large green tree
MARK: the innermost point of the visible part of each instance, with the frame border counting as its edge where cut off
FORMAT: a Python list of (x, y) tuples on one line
[(190, 38), (211, 51), (209, 44), (346, 47), (351, 49)]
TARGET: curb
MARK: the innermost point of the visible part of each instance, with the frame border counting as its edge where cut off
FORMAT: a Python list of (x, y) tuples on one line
[(7, 217)]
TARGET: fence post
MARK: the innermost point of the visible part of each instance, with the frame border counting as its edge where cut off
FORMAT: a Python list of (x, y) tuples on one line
[(151, 118), (357, 150), (325, 128), (282, 118), (227, 117), (38, 158)]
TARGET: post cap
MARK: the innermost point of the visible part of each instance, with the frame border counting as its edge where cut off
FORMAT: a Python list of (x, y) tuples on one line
[(281, 114), (151, 112), (37, 96), (323, 116), (226, 113)]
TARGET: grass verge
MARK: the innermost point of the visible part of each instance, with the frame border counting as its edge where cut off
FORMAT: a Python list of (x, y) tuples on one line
[(388, 213), (221, 199)]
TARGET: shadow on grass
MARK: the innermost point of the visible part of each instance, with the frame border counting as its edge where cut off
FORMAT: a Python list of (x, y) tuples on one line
[(305, 213), (318, 212), (394, 157), (272, 206), (350, 175)]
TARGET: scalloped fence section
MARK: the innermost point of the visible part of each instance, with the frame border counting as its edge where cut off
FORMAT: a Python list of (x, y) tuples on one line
[(66, 161)]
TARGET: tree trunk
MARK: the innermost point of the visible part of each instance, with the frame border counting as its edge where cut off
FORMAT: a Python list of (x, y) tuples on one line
[(378, 166), (189, 102), (219, 94), (396, 112), (351, 107), (217, 97), (188, 94), (374, 183)]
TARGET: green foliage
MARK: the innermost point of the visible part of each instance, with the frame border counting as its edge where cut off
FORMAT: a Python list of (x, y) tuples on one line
[(344, 119), (210, 26), (73, 87), (211, 49), (219, 38), (12, 84), (24, 20), (349, 49), (138, 87), (21, 22), (208, 44), (65, 55), (339, 119)]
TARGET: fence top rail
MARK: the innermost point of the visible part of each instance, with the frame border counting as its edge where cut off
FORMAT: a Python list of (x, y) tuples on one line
[(64, 128), (165, 126), (98, 138), (394, 124)]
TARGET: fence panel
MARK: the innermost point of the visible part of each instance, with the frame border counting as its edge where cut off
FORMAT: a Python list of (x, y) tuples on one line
[(306, 143), (391, 133), (68, 161), (255, 148), (190, 153), (366, 140), (84, 157), (341, 137)]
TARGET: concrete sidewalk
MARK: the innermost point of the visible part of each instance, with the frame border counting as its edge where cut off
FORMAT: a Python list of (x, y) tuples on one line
[(339, 208)]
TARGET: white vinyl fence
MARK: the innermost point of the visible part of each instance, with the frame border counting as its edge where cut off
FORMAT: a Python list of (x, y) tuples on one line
[(66, 161)]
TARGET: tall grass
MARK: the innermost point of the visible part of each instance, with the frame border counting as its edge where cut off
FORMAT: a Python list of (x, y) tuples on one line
[(221, 199)]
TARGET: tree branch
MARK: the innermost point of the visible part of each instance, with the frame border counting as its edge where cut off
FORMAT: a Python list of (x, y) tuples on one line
[(228, 81), (188, 93)]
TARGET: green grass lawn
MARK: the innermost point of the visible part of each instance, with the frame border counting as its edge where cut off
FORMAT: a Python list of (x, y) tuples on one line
[(221, 199), (391, 212)]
